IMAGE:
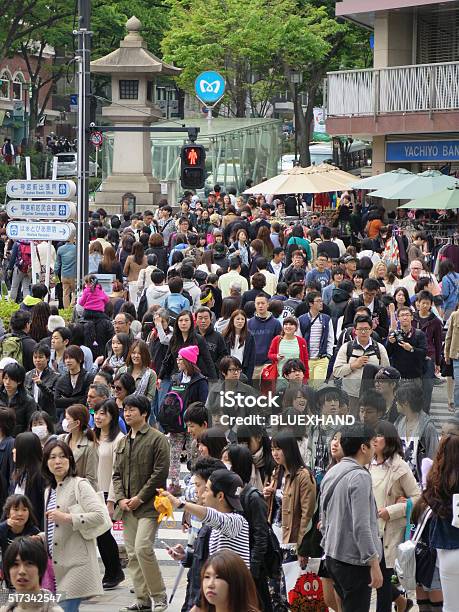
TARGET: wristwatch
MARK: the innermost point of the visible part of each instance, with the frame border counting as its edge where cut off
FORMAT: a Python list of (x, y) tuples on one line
[(181, 504)]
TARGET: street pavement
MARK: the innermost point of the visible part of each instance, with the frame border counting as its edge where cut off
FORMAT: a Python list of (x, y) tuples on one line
[(172, 534)]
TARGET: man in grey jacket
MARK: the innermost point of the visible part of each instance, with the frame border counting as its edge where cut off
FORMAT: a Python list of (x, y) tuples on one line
[(352, 553)]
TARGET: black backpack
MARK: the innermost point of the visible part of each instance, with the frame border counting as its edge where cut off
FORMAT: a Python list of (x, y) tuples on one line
[(273, 557), (374, 346), (143, 305), (171, 411)]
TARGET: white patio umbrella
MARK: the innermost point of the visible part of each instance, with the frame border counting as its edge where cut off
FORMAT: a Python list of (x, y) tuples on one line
[(314, 179), (386, 179), (447, 199), (418, 186)]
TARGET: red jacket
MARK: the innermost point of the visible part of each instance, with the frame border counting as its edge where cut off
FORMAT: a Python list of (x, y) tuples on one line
[(304, 357)]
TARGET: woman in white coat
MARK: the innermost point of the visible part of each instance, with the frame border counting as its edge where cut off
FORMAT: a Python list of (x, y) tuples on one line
[(72, 510)]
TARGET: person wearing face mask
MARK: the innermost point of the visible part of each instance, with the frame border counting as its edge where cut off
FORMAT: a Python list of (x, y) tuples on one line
[(42, 426), (82, 442), (41, 381)]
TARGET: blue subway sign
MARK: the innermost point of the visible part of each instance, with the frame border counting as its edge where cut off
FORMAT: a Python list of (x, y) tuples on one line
[(209, 87), (422, 151)]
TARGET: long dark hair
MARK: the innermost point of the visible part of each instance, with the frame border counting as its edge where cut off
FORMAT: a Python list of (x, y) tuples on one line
[(108, 407), (39, 321), (124, 340), (138, 253), (443, 478), (289, 446), (229, 333), (214, 440), (393, 444), (242, 594), (29, 456), (177, 338), (109, 259), (245, 432)]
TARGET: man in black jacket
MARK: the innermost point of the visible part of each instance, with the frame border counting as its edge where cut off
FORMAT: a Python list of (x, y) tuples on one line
[(20, 327), (214, 340), (407, 347), (378, 311), (40, 382)]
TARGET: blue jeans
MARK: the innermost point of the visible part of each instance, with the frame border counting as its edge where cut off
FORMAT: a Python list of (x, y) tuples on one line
[(456, 383), (71, 605)]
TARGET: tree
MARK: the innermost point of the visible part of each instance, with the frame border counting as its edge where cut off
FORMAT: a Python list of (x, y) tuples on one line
[(237, 38), (338, 45)]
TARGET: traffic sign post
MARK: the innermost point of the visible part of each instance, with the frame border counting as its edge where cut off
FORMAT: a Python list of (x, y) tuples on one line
[(209, 88), (41, 189), (61, 211), (36, 230)]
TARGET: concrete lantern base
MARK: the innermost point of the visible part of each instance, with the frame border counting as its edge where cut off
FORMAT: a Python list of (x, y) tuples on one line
[(146, 190)]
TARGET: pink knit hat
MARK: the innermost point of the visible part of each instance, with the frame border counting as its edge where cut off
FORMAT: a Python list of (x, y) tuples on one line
[(190, 353)]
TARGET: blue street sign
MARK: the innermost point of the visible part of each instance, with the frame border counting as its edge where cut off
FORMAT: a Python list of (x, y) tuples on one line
[(422, 151), (17, 209), (73, 99), (36, 230), (209, 87), (62, 190)]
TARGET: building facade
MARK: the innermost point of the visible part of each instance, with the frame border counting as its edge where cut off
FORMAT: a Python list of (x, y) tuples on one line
[(408, 103)]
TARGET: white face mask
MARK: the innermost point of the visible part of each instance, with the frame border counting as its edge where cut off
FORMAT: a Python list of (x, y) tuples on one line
[(65, 425), (40, 430)]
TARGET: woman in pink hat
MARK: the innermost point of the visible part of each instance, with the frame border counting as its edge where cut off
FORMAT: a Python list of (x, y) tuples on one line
[(188, 386)]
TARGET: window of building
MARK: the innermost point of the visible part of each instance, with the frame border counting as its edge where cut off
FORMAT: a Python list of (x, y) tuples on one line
[(18, 83), (149, 91), (5, 85), (437, 31), (129, 90)]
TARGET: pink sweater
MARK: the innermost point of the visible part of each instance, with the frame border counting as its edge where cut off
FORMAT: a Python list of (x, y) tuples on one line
[(94, 299)]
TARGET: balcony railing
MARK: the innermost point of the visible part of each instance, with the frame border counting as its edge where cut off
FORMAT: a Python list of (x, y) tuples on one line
[(398, 89)]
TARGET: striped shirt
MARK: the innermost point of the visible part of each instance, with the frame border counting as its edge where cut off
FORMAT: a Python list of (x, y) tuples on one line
[(230, 531), (50, 525)]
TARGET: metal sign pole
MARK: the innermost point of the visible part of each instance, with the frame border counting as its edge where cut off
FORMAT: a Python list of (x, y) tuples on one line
[(84, 52)]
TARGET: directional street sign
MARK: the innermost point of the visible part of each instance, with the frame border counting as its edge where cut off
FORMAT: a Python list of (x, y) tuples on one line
[(62, 190), (36, 230), (18, 209), (209, 87)]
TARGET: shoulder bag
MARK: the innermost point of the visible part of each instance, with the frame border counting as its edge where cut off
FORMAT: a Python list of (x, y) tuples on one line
[(88, 532)]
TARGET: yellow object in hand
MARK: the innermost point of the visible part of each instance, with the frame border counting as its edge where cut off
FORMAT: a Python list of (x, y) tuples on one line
[(164, 507)]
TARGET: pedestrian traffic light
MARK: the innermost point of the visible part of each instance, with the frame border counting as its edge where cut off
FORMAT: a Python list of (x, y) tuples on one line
[(193, 166)]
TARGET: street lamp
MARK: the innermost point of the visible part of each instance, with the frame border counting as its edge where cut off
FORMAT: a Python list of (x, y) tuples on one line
[(296, 78)]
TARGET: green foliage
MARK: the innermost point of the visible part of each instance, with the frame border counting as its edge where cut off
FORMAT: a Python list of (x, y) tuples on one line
[(66, 314), (7, 308)]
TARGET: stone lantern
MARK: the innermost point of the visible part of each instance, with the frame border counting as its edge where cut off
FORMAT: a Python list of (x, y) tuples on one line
[(133, 70)]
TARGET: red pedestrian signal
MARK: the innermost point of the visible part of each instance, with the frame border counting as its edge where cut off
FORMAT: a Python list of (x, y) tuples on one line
[(193, 166)]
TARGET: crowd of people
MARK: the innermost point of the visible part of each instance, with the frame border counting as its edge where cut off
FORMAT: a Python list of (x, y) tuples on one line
[(220, 317)]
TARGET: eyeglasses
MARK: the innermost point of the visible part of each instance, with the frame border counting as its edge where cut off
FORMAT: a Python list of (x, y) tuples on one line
[(118, 387), (234, 369), (363, 330)]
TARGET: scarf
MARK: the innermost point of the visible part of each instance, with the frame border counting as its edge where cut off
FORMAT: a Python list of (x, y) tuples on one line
[(143, 384), (116, 362), (258, 463)]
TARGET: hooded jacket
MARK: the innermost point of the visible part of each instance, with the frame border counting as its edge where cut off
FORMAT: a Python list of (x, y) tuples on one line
[(29, 302), (157, 294), (347, 499), (193, 289), (433, 329), (264, 330), (425, 440), (338, 303)]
